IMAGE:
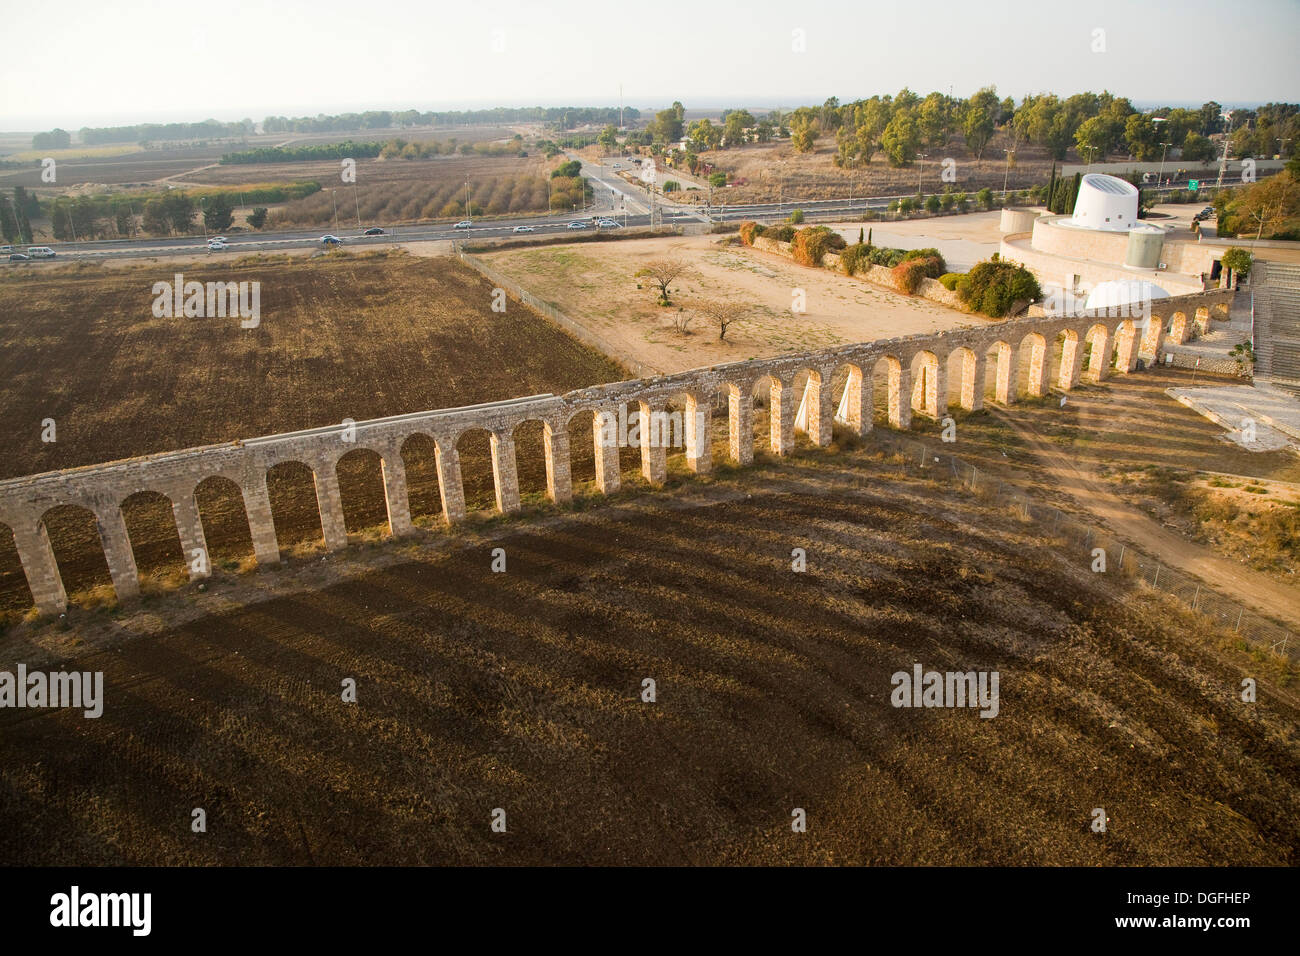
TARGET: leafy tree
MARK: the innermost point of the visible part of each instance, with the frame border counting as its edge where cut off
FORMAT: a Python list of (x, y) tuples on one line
[(934, 120), (8, 221), (218, 213), (667, 125), (567, 170), (124, 220), (1198, 148), (180, 210), (1142, 137), (257, 218), (717, 179), (1211, 118), (1238, 260), (980, 119), (734, 126), (54, 139), (61, 221), (608, 137), (155, 219), (901, 139), (796, 216), (804, 138)]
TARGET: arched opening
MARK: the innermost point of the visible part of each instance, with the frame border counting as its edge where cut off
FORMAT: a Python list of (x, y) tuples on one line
[(15, 595), (79, 554), (814, 407), (1202, 320), (738, 415), (295, 511), (474, 449), (1151, 332), (851, 400), (1220, 311), (1097, 349), (420, 461), (999, 373), (530, 460), (891, 392), (584, 433), (774, 411), (927, 385), (361, 491), (224, 517), (156, 543), (962, 367), (1032, 366)]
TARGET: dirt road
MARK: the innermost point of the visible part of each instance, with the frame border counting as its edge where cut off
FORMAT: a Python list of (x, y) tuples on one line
[(1092, 495)]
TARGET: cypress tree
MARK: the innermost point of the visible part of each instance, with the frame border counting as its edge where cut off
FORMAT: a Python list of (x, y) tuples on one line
[(1051, 188)]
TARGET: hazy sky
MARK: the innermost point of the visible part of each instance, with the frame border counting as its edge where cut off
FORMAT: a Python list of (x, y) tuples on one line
[(89, 62)]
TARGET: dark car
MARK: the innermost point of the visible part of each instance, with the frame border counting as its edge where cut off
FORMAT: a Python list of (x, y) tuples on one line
[(1206, 213), (331, 241), (373, 231), (19, 257)]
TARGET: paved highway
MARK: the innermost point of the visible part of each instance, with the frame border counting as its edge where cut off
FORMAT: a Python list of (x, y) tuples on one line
[(613, 197)]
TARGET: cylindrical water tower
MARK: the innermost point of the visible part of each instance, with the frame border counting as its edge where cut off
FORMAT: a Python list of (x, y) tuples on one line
[(1145, 244), (1106, 203)]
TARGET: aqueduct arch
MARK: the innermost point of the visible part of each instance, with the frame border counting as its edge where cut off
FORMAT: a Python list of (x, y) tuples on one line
[(276, 480)]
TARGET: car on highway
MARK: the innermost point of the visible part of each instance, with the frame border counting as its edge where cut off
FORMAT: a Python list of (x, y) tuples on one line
[(331, 241), (607, 223), (19, 257), (373, 231), (217, 245), (5, 250), (40, 252), (524, 229), (577, 225), (218, 239), (1206, 213), (463, 224)]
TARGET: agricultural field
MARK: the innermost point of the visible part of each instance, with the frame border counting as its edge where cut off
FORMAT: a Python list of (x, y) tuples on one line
[(341, 336), (523, 691)]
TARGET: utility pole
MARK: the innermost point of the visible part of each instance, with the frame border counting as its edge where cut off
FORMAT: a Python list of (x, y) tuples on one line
[(358, 200), (1160, 177), (334, 196), (919, 167)]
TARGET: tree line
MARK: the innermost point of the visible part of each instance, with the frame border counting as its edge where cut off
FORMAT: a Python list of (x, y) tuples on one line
[(901, 126), (562, 117), (144, 133)]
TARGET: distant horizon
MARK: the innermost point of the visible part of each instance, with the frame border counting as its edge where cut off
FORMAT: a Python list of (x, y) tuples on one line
[(179, 60), (703, 104)]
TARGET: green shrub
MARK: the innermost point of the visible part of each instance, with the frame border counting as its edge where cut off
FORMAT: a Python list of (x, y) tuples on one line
[(932, 204), (884, 256), (854, 258), (950, 280), (749, 231), (781, 233), (994, 287), (796, 217)]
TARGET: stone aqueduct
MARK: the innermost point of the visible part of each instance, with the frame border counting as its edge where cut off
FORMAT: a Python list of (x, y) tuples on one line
[(917, 370)]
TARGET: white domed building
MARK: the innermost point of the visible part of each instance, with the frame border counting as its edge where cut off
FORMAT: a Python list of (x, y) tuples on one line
[(1106, 203)]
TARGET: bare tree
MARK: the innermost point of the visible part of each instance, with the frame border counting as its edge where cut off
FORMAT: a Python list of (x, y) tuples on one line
[(662, 273), (722, 313)]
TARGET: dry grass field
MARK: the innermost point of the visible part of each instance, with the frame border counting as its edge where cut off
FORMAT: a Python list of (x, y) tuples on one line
[(596, 284), (340, 337), (775, 171), (522, 691)]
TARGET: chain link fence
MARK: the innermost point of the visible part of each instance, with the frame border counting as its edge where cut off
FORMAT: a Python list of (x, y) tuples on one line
[(1082, 541)]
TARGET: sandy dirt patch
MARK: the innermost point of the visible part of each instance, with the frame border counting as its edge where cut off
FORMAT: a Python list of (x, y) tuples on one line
[(596, 285)]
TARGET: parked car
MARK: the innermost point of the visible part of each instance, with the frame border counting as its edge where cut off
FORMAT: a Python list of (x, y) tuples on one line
[(40, 252), (373, 231), (19, 257), (217, 245), (464, 224), (331, 241), (524, 229), (577, 225)]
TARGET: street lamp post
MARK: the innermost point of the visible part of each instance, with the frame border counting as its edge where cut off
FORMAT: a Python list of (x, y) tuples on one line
[(919, 166), (1160, 176), (335, 198)]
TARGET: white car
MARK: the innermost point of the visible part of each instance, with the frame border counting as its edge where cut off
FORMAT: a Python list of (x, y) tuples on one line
[(524, 229), (463, 224), (577, 225), (40, 252), (218, 239), (217, 245), (607, 224)]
